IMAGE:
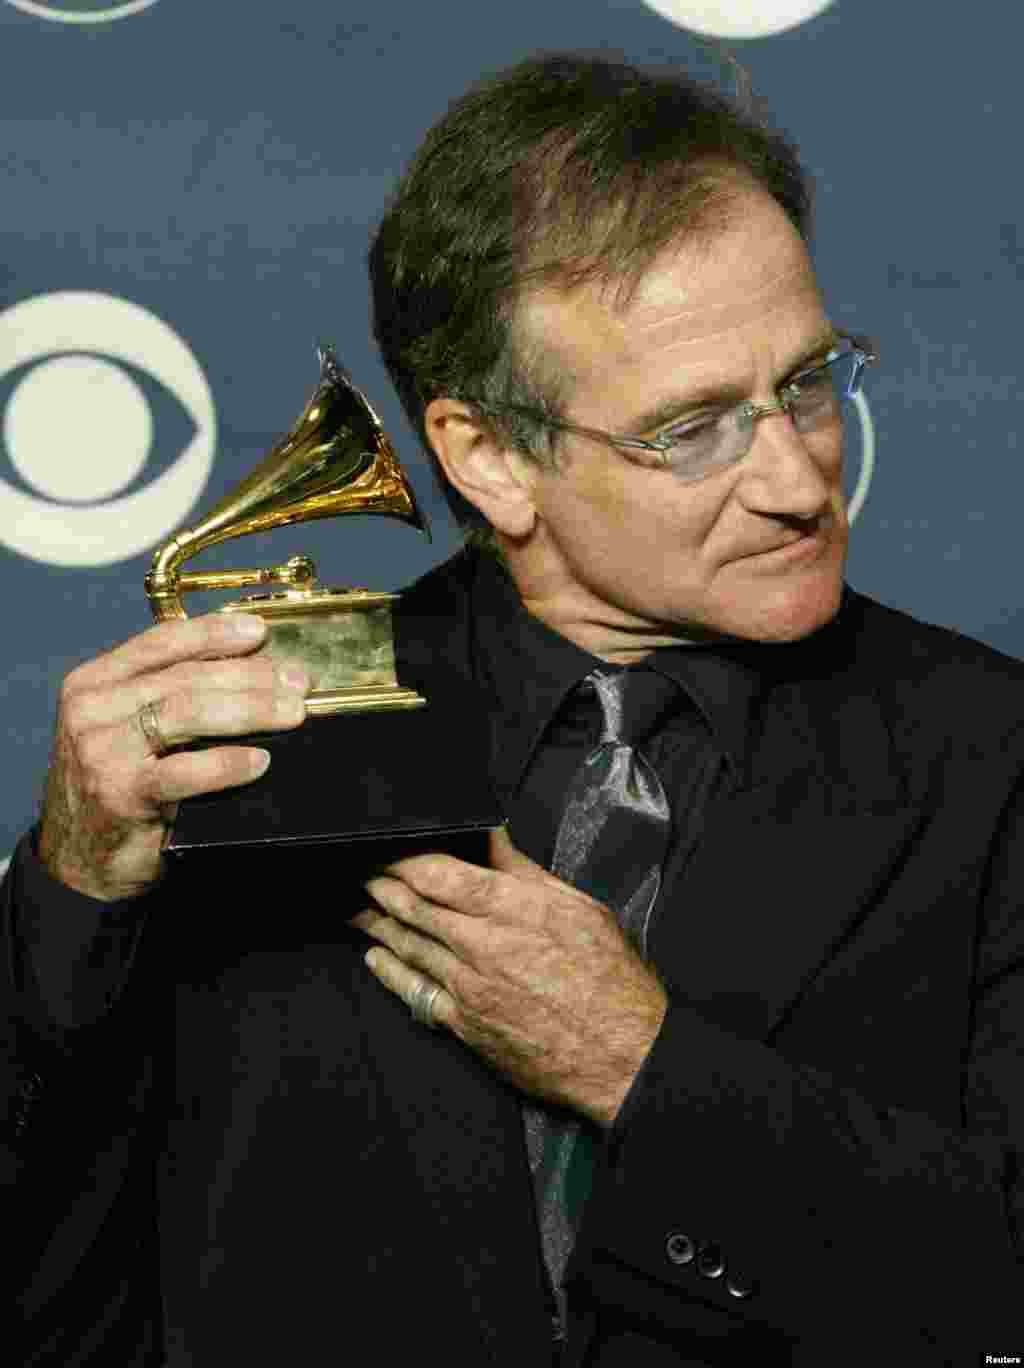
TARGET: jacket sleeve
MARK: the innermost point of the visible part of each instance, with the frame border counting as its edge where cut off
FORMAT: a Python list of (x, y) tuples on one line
[(78, 1131), (782, 1200)]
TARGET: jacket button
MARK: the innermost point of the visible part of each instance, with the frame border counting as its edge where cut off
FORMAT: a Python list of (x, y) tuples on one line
[(31, 1087), (680, 1248), (740, 1287), (710, 1261)]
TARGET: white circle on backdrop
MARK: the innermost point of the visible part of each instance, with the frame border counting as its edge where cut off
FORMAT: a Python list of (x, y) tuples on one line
[(68, 533), (738, 18), (867, 458), (98, 427), (67, 15)]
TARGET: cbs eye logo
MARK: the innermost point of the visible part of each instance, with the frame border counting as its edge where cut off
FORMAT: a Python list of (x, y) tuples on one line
[(81, 11), (738, 18), (78, 452)]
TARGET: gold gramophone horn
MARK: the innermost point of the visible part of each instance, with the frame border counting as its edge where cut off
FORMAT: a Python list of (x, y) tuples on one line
[(336, 459)]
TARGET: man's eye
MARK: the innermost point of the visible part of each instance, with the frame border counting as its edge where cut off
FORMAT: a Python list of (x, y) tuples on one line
[(818, 378), (818, 374)]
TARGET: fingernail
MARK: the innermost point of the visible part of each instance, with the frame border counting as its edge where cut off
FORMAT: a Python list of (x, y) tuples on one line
[(246, 625), (260, 763), (292, 675)]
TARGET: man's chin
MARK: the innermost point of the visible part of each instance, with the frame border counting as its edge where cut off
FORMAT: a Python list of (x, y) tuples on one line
[(772, 601), (784, 612), (791, 618)]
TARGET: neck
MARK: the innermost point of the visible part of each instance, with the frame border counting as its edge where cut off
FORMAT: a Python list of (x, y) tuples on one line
[(603, 630)]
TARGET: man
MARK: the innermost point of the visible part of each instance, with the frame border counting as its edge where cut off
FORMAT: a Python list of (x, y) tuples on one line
[(749, 1094)]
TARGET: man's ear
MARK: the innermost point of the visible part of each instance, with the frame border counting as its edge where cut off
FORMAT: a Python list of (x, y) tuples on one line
[(496, 479)]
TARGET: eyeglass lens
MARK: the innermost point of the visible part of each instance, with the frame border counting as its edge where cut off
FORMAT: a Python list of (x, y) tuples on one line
[(818, 393), (814, 397)]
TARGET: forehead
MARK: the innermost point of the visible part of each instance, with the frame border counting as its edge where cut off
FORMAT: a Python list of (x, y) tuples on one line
[(744, 293)]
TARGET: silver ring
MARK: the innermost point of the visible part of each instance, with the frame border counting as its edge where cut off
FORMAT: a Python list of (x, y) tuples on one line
[(150, 729), (421, 1003)]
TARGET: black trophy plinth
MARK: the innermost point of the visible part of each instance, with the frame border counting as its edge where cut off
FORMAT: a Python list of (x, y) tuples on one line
[(351, 791)]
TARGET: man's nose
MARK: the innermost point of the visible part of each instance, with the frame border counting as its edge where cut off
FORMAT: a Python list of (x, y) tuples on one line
[(785, 474)]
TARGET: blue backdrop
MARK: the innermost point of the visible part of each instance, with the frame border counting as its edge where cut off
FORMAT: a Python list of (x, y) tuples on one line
[(190, 189)]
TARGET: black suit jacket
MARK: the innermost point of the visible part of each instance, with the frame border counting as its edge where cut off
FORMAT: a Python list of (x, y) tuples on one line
[(255, 1154)]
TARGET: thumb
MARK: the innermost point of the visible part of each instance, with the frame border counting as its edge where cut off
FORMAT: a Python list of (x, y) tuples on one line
[(508, 858)]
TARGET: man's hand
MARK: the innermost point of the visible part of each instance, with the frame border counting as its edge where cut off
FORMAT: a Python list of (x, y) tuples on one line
[(110, 799), (536, 976)]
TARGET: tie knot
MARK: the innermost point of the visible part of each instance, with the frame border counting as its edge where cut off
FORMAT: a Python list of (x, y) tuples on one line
[(634, 703)]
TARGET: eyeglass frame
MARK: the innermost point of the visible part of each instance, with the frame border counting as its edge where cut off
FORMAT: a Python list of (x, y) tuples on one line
[(864, 351)]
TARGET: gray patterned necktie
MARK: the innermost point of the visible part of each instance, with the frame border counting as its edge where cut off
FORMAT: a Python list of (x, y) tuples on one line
[(611, 843)]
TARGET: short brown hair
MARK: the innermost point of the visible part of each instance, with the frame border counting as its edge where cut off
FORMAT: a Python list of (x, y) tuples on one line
[(558, 169)]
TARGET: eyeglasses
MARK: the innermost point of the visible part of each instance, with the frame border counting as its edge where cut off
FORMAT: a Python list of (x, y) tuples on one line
[(714, 439)]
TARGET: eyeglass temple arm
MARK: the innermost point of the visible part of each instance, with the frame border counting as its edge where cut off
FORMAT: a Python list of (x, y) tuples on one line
[(608, 438)]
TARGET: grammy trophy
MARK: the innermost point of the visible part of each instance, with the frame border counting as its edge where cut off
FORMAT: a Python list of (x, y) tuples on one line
[(365, 765)]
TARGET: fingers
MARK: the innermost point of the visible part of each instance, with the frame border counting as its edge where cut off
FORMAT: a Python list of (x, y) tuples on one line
[(169, 643), (412, 948), (207, 771), (404, 982), (167, 690), (449, 881), (472, 891), (113, 762), (105, 755), (111, 789), (442, 925), (507, 858), (505, 855), (196, 715)]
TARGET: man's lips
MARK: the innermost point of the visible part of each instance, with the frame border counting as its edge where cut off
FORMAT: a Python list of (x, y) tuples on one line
[(798, 546)]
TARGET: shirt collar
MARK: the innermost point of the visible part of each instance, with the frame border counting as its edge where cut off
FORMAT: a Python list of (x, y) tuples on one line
[(530, 669)]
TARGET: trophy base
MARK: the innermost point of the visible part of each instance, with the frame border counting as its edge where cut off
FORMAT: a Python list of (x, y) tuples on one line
[(372, 698), (363, 785)]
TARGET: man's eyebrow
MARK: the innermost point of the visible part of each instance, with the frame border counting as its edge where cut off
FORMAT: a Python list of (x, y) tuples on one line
[(675, 405)]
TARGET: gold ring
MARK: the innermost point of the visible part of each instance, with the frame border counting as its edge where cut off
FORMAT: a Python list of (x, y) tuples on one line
[(421, 1002), (150, 729)]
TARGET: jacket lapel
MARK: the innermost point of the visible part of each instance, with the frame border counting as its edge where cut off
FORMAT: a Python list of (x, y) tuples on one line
[(792, 856)]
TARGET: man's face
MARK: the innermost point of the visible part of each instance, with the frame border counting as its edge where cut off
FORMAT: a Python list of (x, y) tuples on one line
[(754, 551)]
